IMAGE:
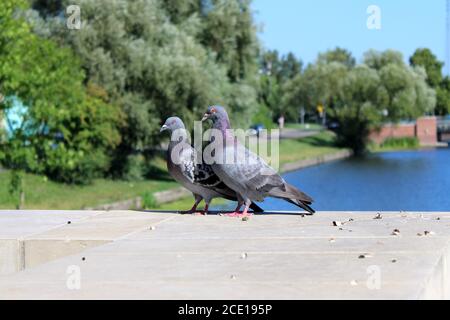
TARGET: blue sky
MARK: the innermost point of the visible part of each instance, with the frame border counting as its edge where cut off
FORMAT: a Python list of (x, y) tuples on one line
[(308, 27)]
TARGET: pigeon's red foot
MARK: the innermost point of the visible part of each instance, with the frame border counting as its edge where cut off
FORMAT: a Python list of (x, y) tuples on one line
[(238, 214), (202, 213)]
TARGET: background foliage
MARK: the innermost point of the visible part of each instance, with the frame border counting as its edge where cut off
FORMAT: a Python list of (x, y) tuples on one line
[(360, 97), (159, 58), (68, 129), (96, 97)]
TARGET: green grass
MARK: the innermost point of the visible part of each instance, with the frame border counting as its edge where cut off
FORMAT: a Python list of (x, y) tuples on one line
[(396, 144), (186, 204), (291, 150), (41, 193), (309, 147), (306, 126)]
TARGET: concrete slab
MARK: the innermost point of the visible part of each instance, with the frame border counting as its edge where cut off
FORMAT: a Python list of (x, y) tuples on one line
[(29, 238), (17, 224), (167, 256), (9, 256), (109, 225)]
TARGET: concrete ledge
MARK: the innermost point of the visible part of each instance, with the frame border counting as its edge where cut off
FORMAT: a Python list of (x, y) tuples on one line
[(30, 238), (146, 255)]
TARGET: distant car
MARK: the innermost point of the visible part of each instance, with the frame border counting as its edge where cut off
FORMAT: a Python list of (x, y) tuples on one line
[(256, 129), (332, 125)]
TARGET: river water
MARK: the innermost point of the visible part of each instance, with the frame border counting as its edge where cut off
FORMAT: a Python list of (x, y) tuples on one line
[(391, 181)]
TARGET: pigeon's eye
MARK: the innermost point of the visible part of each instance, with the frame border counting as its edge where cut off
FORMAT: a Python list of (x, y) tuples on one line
[(213, 110)]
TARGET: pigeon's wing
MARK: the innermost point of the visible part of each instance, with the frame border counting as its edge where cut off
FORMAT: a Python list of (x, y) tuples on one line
[(187, 164), (263, 177), (202, 174), (205, 176), (257, 177), (254, 173)]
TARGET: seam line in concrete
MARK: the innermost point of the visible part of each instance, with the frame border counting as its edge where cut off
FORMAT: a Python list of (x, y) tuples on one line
[(144, 228), (21, 244), (290, 238), (27, 237), (356, 253)]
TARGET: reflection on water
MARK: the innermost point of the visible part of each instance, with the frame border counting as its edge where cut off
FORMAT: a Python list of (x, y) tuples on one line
[(409, 181)]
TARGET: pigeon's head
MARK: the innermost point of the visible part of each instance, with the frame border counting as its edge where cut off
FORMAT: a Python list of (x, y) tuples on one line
[(172, 124), (215, 113)]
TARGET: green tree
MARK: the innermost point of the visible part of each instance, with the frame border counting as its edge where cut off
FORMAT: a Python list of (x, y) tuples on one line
[(362, 97), (290, 67), (283, 68), (433, 67), (337, 55), (67, 132), (157, 59), (357, 108), (425, 58), (318, 84), (228, 30), (275, 72), (443, 97), (377, 60)]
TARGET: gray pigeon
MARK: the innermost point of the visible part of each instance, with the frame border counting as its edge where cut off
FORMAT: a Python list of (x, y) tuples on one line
[(199, 178), (247, 174)]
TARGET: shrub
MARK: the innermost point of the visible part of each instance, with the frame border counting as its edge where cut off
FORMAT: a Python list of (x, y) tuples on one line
[(401, 143), (149, 201)]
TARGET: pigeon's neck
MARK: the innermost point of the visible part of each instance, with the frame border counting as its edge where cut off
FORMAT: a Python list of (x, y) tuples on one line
[(225, 128), (177, 138), (172, 144)]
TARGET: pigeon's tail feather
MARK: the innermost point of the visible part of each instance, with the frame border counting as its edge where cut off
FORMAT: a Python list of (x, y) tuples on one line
[(298, 194), (302, 205), (290, 192), (294, 196), (256, 208)]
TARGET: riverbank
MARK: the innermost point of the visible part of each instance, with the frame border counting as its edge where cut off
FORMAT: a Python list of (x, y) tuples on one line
[(403, 144)]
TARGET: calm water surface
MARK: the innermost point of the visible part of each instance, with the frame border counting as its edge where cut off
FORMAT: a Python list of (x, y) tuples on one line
[(408, 180)]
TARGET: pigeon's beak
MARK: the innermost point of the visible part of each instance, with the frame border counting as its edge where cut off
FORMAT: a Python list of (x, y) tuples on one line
[(205, 117), (164, 128)]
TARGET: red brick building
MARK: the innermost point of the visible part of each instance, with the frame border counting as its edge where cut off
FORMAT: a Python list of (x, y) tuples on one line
[(425, 129)]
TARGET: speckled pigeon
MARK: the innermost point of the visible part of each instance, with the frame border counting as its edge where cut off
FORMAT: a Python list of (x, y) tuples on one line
[(247, 174), (199, 178)]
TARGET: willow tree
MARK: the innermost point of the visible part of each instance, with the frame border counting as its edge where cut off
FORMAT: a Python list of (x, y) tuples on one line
[(361, 97), (159, 58)]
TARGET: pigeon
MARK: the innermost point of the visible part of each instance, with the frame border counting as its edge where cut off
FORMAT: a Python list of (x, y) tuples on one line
[(199, 178), (244, 171)]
